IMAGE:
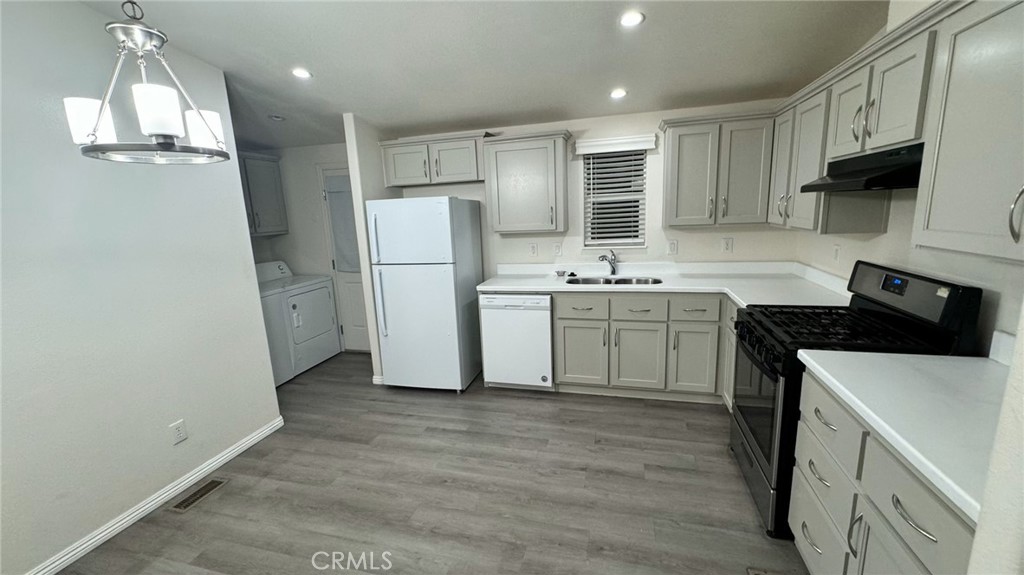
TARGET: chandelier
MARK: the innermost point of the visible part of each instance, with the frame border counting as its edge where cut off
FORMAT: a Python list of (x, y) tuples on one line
[(157, 107)]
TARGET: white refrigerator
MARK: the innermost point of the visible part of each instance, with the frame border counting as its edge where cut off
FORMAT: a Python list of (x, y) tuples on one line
[(426, 260)]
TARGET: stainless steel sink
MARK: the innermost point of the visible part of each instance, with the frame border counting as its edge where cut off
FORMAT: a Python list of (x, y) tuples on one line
[(613, 281)]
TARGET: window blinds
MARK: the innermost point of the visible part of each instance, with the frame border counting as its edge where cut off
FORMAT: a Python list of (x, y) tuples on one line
[(613, 198)]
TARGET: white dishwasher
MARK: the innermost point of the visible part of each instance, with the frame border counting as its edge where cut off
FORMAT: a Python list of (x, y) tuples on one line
[(515, 333)]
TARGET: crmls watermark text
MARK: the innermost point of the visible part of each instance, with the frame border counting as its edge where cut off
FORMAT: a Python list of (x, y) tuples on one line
[(349, 561)]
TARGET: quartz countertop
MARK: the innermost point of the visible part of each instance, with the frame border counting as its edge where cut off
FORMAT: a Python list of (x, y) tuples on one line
[(744, 289), (938, 412)]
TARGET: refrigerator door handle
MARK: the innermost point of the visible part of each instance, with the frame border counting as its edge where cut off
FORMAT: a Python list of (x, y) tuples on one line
[(376, 240), (380, 299)]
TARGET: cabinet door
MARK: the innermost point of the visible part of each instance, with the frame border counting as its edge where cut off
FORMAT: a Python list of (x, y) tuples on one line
[(744, 171), (266, 198), (876, 548), (691, 159), (808, 161), (453, 162), (250, 219), (521, 185), (899, 83), (637, 357), (406, 165), (846, 122), (692, 357), (972, 169), (581, 352), (782, 148)]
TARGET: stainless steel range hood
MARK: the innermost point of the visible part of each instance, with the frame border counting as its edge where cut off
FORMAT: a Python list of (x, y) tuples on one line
[(889, 170)]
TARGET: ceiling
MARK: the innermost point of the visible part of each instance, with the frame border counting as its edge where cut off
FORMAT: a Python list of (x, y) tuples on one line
[(413, 68)]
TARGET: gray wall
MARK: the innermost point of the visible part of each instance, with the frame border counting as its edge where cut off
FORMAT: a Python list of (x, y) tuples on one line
[(129, 296)]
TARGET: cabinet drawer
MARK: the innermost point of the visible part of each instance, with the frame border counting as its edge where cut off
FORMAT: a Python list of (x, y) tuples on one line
[(838, 431), (695, 308), (817, 540), (581, 307), (903, 499), (638, 308), (826, 479)]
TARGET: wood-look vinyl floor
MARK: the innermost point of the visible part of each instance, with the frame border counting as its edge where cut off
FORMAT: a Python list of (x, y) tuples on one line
[(490, 482)]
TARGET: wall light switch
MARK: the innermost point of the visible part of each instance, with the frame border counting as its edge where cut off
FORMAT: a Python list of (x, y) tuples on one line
[(835, 252), (673, 247), (727, 245), (533, 250), (556, 248)]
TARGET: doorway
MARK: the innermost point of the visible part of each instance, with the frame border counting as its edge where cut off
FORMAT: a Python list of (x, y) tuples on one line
[(345, 258)]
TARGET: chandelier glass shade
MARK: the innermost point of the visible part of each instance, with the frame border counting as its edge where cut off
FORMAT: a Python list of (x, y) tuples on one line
[(158, 108)]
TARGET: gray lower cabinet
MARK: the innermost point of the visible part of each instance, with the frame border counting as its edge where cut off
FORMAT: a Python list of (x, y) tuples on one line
[(972, 172), (263, 194), (581, 351), (637, 359), (692, 357), (525, 178), (875, 549)]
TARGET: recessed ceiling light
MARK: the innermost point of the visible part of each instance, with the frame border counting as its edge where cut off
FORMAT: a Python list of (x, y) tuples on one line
[(276, 117), (618, 94), (301, 73), (631, 18)]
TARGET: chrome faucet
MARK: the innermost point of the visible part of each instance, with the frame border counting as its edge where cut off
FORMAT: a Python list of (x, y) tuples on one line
[(611, 261)]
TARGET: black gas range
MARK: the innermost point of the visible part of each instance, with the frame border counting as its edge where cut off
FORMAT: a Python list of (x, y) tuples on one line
[(891, 311)]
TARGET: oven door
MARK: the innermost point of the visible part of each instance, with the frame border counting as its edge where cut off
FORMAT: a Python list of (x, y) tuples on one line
[(758, 409)]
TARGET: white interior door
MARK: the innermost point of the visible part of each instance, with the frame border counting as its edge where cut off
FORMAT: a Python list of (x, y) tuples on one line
[(351, 306), (417, 324)]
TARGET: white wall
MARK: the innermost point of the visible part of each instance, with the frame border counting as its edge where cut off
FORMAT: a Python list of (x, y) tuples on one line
[(902, 10), (366, 171), (130, 297), (306, 246)]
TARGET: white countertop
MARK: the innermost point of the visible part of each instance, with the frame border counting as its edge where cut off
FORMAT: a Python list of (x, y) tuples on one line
[(779, 283), (939, 412)]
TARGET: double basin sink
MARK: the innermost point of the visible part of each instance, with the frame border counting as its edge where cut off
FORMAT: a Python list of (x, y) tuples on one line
[(613, 281)]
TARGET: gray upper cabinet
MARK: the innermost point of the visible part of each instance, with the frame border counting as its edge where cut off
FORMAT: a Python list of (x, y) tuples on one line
[(972, 172), (808, 162), (691, 159), (882, 103), (264, 196), (692, 357), (422, 163), (782, 152), (407, 165), (526, 182), (718, 172), (744, 171)]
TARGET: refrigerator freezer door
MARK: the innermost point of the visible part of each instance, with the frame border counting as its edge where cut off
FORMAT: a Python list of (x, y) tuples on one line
[(417, 325), (410, 231)]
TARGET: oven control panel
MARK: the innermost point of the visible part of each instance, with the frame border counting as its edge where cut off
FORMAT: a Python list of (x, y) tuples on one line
[(894, 284)]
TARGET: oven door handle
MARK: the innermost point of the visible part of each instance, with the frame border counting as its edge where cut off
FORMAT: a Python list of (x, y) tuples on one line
[(767, 370)]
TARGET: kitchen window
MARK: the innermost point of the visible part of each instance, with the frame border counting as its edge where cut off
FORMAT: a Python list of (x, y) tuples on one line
[(614, 198)]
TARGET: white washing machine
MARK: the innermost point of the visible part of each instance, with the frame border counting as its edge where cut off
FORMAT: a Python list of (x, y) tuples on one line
[(299, 313)]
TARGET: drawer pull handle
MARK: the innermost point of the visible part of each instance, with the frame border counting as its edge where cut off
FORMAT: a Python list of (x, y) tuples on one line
[(695, 309), (1015, 231), (807, 537), (639, 310), (898, 506), (849, 534), (583, 308), (821, 418), (814, 472)]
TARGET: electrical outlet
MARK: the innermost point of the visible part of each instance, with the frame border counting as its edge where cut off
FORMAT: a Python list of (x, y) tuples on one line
[(835, 252), (673, 247), (556, 248), (533, 250), (727, 245), (178, 432)]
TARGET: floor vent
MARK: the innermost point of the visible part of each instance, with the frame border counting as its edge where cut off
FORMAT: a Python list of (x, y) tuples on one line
[(198, 495)]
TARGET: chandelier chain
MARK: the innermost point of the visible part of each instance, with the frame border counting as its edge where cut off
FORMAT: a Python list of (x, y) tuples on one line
[(132, 10)]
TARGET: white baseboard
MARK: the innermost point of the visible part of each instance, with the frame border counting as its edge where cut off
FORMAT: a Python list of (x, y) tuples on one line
[(120, 523)]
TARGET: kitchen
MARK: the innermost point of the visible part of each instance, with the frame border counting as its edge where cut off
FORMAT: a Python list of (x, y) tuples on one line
[(616, 306)]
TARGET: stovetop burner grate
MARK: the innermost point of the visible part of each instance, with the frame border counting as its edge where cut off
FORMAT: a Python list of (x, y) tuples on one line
[(831, 327)]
